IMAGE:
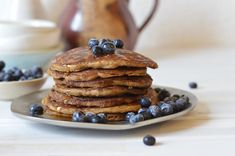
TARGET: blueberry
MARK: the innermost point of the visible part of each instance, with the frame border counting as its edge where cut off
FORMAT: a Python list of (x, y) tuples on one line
[(166, 108), (30, 78), (162, 94), (35, 109), (95, 119), (141, 110), (28, 73), (108, 47), (157, 89), (78, 117), (155, 110), (97, 51), (136, 118), (176, 96), (2, 74), (23, 78), (7, 77), (92, 42), (2, 65), (128, 115), (145, 102), (89, 116), (102, 41), (118, 43), (181, 104), (10, 71), (102, 117), (37, 72), (147, 114), (149, 140), (193, 85), (18, 73)]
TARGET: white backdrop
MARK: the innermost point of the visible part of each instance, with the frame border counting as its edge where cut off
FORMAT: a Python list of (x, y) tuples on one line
[(178, 23), (187, 24)]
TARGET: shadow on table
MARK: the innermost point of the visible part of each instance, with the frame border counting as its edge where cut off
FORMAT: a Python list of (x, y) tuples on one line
[(194, 119)]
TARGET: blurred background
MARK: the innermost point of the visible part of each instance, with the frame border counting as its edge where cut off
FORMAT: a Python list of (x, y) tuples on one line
[(181, 24)]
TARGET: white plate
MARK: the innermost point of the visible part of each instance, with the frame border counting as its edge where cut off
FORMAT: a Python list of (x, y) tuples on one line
[(20, 108)]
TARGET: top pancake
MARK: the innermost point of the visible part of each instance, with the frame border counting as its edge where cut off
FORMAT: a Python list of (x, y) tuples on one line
[(82, 58)]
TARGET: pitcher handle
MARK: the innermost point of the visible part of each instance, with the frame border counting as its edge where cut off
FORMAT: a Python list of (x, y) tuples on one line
[(150, 16)]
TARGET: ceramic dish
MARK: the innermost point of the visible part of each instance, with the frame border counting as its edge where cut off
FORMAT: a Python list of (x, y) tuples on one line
[(13, 89), (20, 107)]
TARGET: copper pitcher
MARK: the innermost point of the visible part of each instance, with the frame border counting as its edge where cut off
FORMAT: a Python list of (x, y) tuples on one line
[(85, 19)]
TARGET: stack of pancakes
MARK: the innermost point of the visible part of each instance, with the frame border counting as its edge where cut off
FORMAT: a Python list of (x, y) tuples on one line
[(110, 84)]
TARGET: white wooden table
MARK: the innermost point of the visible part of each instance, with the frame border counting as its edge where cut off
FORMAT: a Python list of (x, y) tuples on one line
[(208, 130)]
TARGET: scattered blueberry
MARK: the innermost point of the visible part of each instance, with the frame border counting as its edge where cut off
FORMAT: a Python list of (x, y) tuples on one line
[(128, 115), (147, 114), (181, 104), (95, 119), (89, 116), (141, 110), (149, 140), (93, 42), (97, 51), (155, 110), (118, 43), (166, 108), (145, 102), (108, 47), (136, 118), (102, 117), (78, 117), (193, 85), (2, 65), (36, 109), (162, 94)]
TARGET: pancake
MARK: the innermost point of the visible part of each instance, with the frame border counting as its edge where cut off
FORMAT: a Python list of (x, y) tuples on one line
[(129, 81), (100, 92), (99, 102), (91, 74), (67, 117), (69, 109), (82, 58)]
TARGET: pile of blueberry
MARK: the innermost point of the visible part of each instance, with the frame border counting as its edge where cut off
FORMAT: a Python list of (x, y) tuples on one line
[(168, 105), (17, 74), (104, 46), (89, 117)]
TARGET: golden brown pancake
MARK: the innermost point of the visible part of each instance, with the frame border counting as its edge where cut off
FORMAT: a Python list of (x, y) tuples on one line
[(91, 74), (99, 101), (82, 58), (100, 92), (69, 109), (61, 116), (129, 81)]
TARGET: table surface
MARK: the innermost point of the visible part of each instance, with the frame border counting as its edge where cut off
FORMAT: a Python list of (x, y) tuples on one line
[(208, 129)]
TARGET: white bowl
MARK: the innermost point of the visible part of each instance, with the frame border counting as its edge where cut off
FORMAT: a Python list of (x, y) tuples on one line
[(13, 89), (27, 59), (16, 28), (28, 35)]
